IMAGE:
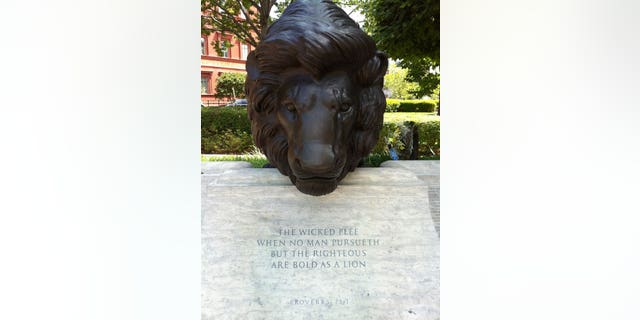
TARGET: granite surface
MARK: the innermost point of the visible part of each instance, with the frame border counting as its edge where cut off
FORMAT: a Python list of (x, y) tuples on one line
[(428, 171), (369, 250)]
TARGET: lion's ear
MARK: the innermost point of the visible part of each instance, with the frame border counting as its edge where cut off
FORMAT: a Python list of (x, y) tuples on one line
[(372, 73), (252, 66), (383, 61)]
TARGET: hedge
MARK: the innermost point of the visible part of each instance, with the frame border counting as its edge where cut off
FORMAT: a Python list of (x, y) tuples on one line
[(395, 105), (227, 130), (392, 105), (410, 139)]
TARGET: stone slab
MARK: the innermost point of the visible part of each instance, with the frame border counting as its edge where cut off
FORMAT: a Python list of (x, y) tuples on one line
[(217, 167), (420, 168), (369, 250), (211, 170), (428, 171)]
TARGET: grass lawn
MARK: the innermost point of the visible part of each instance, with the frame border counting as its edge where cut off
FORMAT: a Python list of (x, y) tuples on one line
[(411, 116), (256, 160)]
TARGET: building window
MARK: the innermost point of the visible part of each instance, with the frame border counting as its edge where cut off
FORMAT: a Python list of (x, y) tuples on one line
[(224, 50), (203, 46), (204, 85), (245, 51)]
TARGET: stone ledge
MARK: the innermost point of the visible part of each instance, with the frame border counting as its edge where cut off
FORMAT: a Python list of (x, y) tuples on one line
[(419, 167), (272, 177), (217, 167)]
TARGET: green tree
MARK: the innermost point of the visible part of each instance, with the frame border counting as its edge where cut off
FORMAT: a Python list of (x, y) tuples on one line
[(408, 30), (230, 84), (247, 20), (425, 72), (395, 81), (435, 95)]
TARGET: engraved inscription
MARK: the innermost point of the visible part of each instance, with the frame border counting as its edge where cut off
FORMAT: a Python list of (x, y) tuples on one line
[(318, 248)]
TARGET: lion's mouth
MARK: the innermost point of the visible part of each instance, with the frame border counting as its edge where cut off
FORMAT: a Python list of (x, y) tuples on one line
[(316, 186), (318, 178)]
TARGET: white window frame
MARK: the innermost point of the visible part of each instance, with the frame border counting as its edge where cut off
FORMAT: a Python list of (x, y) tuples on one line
[(225, 51), (206, 87), (245, 51)]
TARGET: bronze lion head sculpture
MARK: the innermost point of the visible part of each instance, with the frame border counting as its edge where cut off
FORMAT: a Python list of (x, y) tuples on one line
[(314, 89)]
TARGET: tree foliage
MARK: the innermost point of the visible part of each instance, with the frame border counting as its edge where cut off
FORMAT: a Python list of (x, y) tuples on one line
[(230, 85), (408, 30), (247, 20), (405, 29), (395, 81), (424, 72)]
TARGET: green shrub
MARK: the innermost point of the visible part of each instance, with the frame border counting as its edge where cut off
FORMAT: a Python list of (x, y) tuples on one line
[(230, 85), (396, 105), (417, 106), (400, 134), (225, 130), (429, 138), (375, 159), (228, 141), (221, 118), (392, 105)]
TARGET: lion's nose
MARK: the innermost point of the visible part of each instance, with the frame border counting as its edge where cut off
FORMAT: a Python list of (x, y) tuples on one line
[(316, 158)]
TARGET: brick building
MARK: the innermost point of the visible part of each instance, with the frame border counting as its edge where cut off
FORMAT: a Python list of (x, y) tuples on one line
[(212, 64)]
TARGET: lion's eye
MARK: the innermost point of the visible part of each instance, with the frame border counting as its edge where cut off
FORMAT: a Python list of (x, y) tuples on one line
[(346, 107), (290, 106)]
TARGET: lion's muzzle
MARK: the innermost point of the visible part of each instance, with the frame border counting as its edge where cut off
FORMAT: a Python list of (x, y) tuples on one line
[(315, 159), (315, 147)]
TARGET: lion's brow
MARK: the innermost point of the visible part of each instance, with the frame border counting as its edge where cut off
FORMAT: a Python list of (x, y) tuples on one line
[(293, 91)]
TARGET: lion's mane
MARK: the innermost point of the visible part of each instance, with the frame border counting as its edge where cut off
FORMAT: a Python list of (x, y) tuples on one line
[(318, 37)]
